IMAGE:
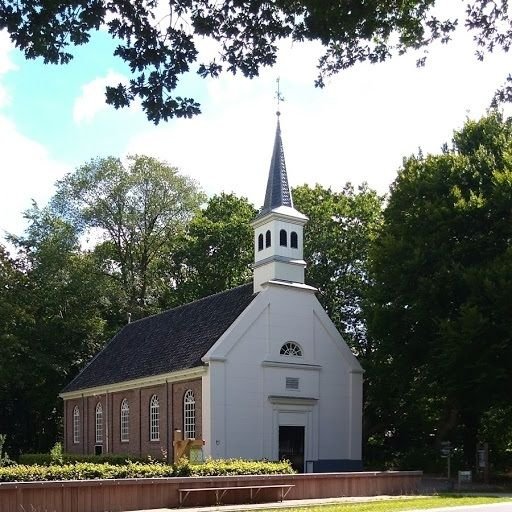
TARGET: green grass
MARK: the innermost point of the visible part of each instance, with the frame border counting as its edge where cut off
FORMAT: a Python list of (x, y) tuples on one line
[(390, 505)]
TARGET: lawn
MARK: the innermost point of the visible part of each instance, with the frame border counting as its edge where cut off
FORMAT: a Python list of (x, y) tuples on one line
[(404, 504)]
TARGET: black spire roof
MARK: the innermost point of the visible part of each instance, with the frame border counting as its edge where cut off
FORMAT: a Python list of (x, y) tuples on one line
[(278, 190)]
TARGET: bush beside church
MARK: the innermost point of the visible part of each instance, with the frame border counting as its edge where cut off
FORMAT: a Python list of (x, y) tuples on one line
[(89, 470)]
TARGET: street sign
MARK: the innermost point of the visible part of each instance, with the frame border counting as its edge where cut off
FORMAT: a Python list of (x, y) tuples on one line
[(446, 448)]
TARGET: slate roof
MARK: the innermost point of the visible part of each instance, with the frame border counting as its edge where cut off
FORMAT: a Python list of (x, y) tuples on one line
[(278, 190), (173, 340)]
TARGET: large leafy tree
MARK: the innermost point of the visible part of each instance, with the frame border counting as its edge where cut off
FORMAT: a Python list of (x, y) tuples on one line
[(215, 252), (136, 211), (14, 318), (58, 307), (159, 41), (60, 302), (337, 238), (443, 294)]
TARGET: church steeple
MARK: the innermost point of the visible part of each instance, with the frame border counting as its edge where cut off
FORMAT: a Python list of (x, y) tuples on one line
[(278, 190), (278, 228)]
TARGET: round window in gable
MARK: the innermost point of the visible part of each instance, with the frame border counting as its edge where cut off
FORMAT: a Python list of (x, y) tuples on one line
[(291, 348)]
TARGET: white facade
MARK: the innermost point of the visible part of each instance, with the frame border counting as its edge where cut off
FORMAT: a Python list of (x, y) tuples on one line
[(259, 402), (245, 394)]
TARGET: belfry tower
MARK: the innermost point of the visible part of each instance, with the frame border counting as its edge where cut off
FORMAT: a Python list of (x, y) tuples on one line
[(278, 228)]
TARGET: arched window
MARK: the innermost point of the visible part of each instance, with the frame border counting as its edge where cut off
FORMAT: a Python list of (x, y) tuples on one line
[(154, 419), (99, 423), (125, 421), (283, 238), (189, 415), (294, 244), (267, 239), (290, 348), (76, 424), (260, 242)]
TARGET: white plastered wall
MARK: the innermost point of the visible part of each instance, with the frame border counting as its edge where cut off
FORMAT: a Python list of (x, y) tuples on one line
[(246, 382)]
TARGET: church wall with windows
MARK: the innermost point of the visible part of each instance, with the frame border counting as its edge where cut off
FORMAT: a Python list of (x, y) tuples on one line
[(142, 434)]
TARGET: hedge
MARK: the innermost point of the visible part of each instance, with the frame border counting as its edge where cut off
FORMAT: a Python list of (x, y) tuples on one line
[(87, 470), (232, 467), (83, 471), (48, 459)]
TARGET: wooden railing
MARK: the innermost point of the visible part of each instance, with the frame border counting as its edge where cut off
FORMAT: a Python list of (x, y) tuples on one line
[(150, 493)]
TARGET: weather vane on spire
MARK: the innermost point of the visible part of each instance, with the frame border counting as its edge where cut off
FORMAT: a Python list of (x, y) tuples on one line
[(279, 97)]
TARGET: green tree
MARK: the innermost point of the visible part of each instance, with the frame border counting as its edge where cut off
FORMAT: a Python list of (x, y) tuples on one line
[(216, 251), (136, 211), (443, 293), (11, 311), (337, 238), (15, 320), (57, 323), (160, 43)]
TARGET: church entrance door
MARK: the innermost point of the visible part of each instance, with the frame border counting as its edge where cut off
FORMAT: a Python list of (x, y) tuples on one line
[(291, 446)]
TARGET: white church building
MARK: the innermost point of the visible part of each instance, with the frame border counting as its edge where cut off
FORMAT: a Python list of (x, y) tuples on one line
[(257, 372)]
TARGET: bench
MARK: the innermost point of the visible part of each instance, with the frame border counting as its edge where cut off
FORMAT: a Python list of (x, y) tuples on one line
[(221, 491)]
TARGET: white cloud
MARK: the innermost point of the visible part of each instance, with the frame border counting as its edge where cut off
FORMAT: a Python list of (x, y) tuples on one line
[(27, 172), (356, 129), (222, 152), (26, 169), (92, 99)]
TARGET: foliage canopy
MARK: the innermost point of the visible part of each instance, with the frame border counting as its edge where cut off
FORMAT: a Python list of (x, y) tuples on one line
[(160, 41), (442, 292), (138, 209)]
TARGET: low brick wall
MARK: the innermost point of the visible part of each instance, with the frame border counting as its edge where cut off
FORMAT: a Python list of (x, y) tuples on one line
[(150, 493)]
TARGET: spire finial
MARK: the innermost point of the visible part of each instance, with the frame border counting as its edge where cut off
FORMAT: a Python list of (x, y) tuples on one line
[(279, 97)]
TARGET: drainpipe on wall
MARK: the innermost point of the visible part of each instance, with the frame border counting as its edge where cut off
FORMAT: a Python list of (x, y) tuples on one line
[(140, 423), (65, 407), (167, 436), (83, 418), (106, 421)]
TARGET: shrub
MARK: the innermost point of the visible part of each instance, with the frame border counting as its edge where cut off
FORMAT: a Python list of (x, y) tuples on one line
[(56, 454), (84, 471), (5, 460), (232, 467), (87, 470), (46, 459)]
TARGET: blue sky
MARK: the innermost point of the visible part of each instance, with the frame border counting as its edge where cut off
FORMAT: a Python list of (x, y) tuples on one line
[(43, 96), (359, 128)]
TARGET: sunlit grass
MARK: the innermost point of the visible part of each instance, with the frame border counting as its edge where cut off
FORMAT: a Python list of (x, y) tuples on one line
[(390, 505)]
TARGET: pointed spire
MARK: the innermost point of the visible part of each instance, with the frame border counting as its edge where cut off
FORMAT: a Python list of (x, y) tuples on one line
[(278, 190)]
